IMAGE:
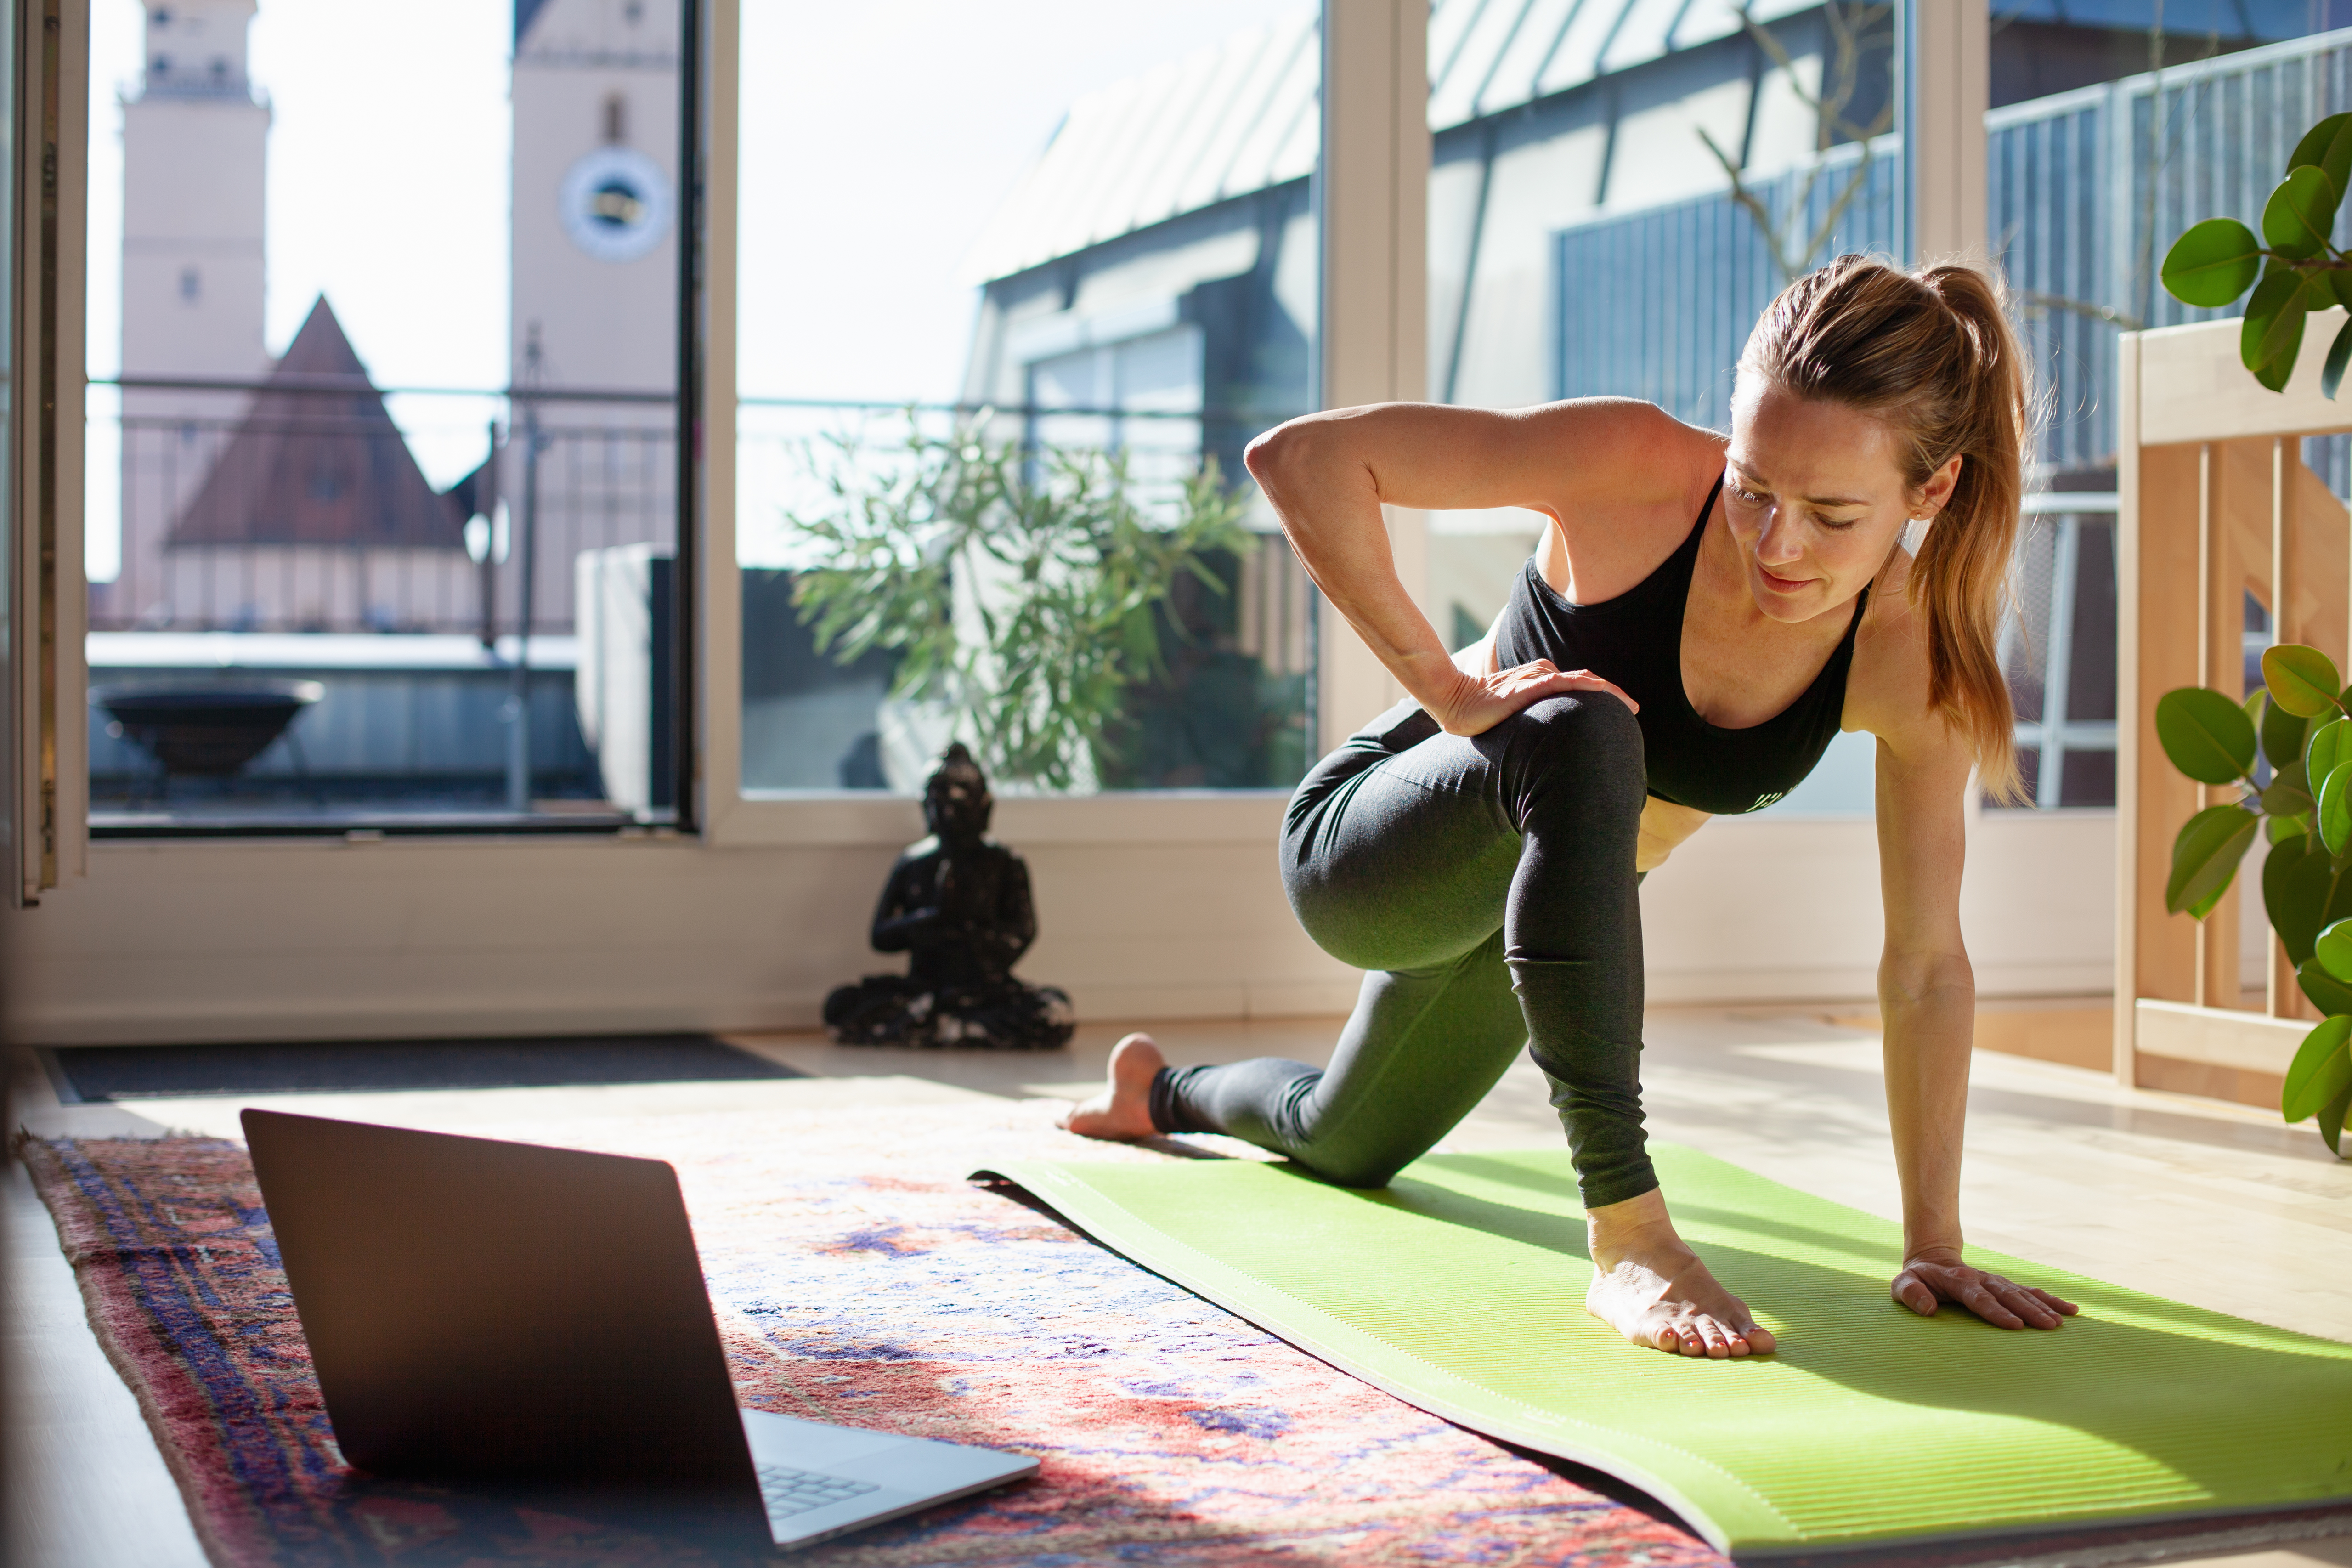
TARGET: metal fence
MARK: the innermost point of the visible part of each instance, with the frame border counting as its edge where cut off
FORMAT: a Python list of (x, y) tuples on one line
[(2085, 190), (1656, 304), (261, 507)]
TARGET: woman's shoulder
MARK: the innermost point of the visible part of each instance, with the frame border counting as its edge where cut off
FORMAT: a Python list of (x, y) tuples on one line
[(1641, 443), (1613, 449), (1633, 499), (1887, 690)]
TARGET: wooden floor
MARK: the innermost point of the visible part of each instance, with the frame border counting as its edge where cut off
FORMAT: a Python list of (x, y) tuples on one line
[(2207, 1201)]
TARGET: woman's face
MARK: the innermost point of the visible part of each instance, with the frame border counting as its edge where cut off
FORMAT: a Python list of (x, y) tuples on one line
[(1815, 498)]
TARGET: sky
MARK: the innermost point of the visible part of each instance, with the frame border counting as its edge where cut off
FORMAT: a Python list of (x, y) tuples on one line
[(877, 139)]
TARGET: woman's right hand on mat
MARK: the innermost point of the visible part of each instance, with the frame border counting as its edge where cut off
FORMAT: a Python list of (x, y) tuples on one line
[(1479, 702), (1931, 1279)]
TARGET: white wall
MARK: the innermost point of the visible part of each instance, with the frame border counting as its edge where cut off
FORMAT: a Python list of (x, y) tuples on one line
[(1150, 908), (292, 939), (1785, 908)]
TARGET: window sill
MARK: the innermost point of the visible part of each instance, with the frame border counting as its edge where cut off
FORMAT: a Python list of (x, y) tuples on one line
[(1140, 816)]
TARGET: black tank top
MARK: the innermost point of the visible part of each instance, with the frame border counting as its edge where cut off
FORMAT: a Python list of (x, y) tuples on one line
[(1636, 640)]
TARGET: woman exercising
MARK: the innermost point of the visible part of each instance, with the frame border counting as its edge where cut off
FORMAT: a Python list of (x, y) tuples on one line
[(1698, 622)]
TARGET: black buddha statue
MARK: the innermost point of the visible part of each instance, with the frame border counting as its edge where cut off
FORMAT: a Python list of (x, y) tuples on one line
[(957, 904)]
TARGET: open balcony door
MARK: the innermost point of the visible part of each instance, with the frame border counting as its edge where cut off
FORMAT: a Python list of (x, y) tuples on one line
[(47, 80)]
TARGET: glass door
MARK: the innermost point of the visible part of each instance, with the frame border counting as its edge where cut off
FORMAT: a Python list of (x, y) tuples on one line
[(384, 419), (1018, 282)]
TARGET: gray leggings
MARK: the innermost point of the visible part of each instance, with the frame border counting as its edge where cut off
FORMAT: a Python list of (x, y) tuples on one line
[(1486, 885)]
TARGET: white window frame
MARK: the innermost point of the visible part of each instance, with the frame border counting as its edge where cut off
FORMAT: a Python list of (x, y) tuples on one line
[(1372, 189), (48, 835), (1162, 904)]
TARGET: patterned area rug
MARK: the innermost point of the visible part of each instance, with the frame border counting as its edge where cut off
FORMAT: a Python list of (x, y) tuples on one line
[(857, 1277)]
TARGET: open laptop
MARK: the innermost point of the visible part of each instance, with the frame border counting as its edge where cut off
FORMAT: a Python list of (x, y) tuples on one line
[(533, 1320)]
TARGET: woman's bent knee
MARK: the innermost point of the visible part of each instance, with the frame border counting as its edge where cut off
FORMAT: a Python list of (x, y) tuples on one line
[(1583, 750), (1590, 726)]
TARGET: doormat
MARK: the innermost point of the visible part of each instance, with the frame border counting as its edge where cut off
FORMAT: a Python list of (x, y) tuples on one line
[(83, 1074)]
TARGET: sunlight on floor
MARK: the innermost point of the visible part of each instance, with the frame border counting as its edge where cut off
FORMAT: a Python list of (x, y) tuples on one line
[(2204, 1200)]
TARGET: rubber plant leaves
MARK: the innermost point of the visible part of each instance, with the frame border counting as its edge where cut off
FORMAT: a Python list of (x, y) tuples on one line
[(2300, 723), (2292, 265)]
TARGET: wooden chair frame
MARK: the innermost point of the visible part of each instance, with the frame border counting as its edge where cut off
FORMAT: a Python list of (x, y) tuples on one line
[(2216, 504)]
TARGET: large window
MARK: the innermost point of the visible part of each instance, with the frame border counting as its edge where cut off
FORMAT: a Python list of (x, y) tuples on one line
[(383, 443), (1618, 188), (2109, 133), (1019, 282)]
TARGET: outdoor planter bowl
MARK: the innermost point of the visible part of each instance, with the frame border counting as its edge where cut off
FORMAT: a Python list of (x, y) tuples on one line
[(209, 731)]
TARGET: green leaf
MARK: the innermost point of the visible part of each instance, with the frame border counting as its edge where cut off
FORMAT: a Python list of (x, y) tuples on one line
[(2298, 880), (2287, 796), (2205, 856), (2301, 679), (2326, 744), (2331, 1121), (2339, 357), (2213, 263), (2301, 212), (2273, 377), (2279, 829), (2283, 339), (2336, 808), (2328, 146), (2321, 1071), (2207, 736), (2327, 993), (2279, 285), (2332, 951)]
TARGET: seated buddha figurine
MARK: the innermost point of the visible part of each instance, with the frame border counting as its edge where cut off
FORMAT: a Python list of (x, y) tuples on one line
[(957, 904)]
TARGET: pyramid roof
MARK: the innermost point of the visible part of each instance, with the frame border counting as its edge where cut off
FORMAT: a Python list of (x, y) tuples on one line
[(318, 460)]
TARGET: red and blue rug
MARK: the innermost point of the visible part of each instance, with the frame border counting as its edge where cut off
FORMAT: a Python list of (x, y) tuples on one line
[(857, 1277)]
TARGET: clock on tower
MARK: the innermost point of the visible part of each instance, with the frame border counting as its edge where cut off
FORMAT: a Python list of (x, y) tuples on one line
[(614, 204)]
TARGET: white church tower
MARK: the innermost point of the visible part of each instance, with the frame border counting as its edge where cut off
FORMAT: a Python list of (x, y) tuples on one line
[(595, 256), (194, 150), (595, 192)]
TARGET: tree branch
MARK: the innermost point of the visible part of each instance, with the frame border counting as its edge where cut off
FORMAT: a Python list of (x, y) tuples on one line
[(2045, 304), (1837, 209), (1752, 204)]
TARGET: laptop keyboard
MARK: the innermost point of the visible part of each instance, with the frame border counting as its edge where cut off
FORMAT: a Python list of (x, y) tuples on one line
[(789, 1492)]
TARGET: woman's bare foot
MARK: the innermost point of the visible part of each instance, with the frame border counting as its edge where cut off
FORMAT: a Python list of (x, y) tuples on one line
[(1123, 1109), (1652, 1287)]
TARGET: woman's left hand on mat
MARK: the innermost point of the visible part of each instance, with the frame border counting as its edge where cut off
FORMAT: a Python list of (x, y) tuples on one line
[(1930, 1278)]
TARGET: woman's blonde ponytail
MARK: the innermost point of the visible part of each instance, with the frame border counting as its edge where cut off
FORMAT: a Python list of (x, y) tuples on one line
[(1932, 354)]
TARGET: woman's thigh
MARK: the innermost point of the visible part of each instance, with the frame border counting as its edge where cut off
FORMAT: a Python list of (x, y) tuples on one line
[(1398, 854)]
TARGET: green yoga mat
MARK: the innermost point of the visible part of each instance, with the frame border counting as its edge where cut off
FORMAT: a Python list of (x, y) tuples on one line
[(1460, 1290)]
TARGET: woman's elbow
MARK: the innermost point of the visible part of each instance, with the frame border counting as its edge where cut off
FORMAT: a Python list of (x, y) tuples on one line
[(1273, 453)]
